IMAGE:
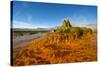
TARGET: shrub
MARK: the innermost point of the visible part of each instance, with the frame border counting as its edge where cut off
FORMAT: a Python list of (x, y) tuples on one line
[(76, 32), (62, 29), (86, 30)]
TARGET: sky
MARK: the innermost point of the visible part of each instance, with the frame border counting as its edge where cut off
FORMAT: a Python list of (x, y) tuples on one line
[(46, 15)]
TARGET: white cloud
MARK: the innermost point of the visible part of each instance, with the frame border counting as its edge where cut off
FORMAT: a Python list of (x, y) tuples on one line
[(20, 24)]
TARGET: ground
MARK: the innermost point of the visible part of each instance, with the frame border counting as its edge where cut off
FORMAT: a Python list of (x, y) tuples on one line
[(54, 49)]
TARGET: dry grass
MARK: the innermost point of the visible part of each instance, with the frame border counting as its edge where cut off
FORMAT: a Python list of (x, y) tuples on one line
[(57, 48)]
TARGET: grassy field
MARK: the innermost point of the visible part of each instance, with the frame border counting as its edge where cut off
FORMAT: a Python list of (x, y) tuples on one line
[(21, 33)]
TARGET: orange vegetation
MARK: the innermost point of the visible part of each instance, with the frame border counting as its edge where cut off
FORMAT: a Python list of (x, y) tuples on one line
[(55, 48)]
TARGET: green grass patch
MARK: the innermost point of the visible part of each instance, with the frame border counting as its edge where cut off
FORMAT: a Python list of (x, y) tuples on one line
[(21, 33)]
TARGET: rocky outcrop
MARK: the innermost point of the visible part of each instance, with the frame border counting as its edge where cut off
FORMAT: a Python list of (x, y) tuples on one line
[(66, 23)]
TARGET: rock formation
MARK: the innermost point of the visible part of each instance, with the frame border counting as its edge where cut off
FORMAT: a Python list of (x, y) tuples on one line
[(66, 23)]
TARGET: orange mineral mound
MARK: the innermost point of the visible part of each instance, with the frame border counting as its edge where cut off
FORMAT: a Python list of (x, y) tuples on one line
[(57, 47)]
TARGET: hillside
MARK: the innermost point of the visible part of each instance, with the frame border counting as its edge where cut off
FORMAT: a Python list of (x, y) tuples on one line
[(65, 44), (91, 26)]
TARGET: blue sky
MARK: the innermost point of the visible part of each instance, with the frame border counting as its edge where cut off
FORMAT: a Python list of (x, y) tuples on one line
[(45, 15)]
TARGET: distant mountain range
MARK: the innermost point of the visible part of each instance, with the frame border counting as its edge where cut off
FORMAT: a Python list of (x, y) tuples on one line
[(92, 26), (27, 29)]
